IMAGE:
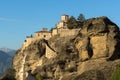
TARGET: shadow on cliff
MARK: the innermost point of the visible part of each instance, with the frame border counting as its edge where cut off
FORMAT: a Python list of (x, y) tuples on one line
[(46, 41), (116, 53)]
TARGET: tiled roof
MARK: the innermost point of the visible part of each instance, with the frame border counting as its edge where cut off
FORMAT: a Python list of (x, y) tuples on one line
[(42, 32)]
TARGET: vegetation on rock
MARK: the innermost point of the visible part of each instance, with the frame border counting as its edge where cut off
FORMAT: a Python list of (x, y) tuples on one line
[(39, 77), (116, 74), (72, 23)]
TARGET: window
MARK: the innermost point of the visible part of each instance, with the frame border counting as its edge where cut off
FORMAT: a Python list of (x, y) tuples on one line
[(44, 36), (38, 34)]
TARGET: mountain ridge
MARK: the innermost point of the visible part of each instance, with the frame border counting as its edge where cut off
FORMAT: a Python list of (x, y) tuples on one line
[(5, 62), (8, 51)]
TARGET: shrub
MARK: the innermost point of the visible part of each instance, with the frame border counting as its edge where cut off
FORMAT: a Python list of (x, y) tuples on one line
[(39, 77), (116, 74)]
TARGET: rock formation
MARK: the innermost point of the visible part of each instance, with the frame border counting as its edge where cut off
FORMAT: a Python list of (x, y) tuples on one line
[(98, 38), (94, 51)]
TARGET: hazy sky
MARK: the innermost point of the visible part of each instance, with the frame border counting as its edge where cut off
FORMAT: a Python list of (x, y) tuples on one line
[(19, 18)]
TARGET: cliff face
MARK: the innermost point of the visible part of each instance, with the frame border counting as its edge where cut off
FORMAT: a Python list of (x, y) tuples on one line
[(98, 38), (93, 51)]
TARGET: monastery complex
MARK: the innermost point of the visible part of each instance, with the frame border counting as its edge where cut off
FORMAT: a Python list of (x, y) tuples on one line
[(60, 29)]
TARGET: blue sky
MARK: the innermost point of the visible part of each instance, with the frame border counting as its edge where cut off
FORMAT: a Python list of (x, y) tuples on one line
[(19, 18)]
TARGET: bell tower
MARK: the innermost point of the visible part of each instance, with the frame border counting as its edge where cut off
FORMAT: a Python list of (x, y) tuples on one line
[(64, 18)]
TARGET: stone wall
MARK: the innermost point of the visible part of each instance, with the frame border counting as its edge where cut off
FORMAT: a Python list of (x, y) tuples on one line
[(42, 35), (27, 42), (54, 32), (64, 18), (68, 32), (48, 35), (50, 53), (61, 24)]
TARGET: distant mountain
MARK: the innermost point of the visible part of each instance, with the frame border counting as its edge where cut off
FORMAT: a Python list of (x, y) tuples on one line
[(5, 61), (10, 52)]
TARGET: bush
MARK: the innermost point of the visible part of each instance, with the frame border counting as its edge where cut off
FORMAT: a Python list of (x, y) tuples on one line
[(39, 77), (116, 74), (72, 23)]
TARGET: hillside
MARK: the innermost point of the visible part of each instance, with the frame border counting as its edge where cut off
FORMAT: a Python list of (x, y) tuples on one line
[(5, 62), (10, 52), (91, 54)]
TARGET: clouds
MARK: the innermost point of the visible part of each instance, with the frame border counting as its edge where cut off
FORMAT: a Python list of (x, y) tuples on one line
[(6, 19)]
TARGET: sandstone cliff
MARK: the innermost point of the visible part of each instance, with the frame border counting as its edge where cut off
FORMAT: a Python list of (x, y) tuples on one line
[(95, 50)]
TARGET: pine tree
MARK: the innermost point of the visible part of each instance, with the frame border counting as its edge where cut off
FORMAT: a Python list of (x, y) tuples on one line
[(80, 20), (72, 23)]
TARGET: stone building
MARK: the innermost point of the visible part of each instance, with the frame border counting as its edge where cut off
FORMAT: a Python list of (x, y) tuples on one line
[(28, 40), (63, 22), (44, 34), (60, 29)]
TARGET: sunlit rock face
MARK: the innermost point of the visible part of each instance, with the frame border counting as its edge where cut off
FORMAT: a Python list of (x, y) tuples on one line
[(99, 37), (93, 50)]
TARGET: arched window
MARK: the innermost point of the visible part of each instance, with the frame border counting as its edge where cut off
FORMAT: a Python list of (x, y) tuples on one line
[(44, 36)]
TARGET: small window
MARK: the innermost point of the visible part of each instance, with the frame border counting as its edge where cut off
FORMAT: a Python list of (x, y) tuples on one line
[(44, 36), (38, 34)]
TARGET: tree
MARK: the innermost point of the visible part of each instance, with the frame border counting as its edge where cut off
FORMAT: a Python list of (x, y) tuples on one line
[(72, 23), (80, 20)]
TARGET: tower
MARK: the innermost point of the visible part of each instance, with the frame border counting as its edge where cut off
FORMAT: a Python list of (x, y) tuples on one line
[(64, 18), (63, 23)]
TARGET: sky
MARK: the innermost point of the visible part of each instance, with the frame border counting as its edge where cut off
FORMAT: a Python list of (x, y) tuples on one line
[(21, 18)]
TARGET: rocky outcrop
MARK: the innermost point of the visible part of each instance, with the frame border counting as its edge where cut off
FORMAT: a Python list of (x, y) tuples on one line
[(99, 37), (94, 51), (32, 57), (95, 69)]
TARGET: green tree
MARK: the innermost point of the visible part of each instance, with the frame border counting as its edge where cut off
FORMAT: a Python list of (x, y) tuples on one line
[(80, 20), (116, 74), (39, 77), (72, 23)]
